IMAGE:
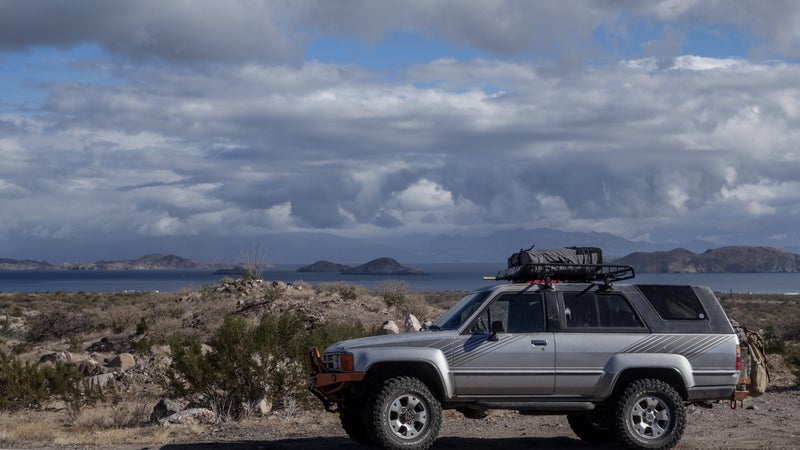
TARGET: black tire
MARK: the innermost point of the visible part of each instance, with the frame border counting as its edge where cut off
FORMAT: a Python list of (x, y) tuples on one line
[(355, 427), (594, 427), (403, 414), (649, 415)]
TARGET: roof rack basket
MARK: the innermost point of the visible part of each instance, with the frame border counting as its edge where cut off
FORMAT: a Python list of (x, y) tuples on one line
[(567, 272)]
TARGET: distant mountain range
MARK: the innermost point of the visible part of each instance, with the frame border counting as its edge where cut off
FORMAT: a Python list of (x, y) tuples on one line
[(153, 261), (733, 259)]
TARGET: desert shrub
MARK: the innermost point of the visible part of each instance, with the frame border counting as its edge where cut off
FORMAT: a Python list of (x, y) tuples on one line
[(254, 262), (346, 291), (26, 385), (121, 318), (272, 293), (775, 346), (329, 333), (57, 323), (235, 373), (393, 292), (251, 360), (5, 326)]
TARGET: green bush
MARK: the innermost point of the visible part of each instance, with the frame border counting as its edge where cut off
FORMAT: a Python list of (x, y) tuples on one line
[(249, 361), (394, 292), (28, 386)]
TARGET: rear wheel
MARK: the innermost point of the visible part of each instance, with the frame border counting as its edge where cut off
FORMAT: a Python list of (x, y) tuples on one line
[(403, 414), (650, 415)]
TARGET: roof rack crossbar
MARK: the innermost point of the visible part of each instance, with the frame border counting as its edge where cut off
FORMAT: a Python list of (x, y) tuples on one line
[(606, 273)]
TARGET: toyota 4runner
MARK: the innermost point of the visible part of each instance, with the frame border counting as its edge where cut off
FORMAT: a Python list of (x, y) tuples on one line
[(621, 361)]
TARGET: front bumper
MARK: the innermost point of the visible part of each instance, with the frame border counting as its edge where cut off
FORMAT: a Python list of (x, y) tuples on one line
[(325, 385)]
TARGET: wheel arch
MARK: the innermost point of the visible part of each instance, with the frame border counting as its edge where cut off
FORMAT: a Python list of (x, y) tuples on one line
[(426, 372), (668, 375)]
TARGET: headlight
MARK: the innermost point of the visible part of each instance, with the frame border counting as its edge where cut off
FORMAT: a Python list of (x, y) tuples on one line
[(338, 362)]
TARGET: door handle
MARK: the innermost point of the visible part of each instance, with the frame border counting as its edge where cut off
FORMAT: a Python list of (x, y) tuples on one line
[(539, 342)]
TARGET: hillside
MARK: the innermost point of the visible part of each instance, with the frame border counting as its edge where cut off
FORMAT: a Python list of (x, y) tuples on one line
[(324, 266), (382, 266), (153, 261), (733, 259)]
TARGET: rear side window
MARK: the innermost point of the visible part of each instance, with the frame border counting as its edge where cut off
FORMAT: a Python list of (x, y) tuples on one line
[(589, 310), (674, 302)]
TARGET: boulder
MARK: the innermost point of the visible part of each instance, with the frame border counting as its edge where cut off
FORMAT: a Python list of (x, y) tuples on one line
[(101, 346), (87, 367), (390, 327), (164, 408), (412, 323), (261, 407), (101, 380), (188, 417), (124, 361), (62, 357)]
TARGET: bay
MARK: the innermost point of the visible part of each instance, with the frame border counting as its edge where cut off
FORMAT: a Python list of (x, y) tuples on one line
[(442, 277)]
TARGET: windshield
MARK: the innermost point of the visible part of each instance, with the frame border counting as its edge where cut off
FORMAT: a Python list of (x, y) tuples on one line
[(462, 310)]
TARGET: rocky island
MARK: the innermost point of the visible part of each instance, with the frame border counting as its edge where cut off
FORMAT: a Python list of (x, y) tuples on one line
[(731, 259), (152, 261), (379, 266)]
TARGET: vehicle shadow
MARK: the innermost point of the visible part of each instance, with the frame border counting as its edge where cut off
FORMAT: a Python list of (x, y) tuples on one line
[(444, 443)]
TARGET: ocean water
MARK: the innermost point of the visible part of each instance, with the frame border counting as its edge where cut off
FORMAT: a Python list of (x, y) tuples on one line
[(442, 277)]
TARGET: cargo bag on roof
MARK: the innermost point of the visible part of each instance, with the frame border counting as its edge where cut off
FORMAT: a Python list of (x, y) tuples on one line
[(568, 263), (566, 255)]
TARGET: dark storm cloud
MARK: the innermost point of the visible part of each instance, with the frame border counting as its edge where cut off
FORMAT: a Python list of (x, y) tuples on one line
[(255, 144), (181, 31)]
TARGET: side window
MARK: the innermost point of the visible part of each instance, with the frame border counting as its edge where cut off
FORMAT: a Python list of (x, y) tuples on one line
[(674, 302), (588, 310), (616, 312), (517, 313), (580, 309)]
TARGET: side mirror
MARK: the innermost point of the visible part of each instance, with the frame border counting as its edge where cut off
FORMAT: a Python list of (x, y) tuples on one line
[(497, 327)]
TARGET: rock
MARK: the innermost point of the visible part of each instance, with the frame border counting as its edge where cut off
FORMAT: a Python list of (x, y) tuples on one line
[(63, 357), (262, 407), (87, 367), (205, 349), (391, 327), (412, 323), (124, 361), (164, 408), (101, 346), (187, 417), (101, 380)]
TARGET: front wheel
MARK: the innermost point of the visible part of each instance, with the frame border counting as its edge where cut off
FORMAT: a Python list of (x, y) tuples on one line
[(403, 414), (650, 415), (594, 427), (354, 426)]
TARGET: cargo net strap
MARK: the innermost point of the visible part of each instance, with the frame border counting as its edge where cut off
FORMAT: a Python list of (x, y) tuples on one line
[(552, 272)]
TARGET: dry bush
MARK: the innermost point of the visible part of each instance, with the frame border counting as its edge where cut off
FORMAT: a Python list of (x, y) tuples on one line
[(57, 322), (347, 291), (126, 414), (121, 318), (393, 292)]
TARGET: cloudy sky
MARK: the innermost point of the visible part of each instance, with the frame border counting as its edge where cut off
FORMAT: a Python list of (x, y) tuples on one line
[(655, 121)]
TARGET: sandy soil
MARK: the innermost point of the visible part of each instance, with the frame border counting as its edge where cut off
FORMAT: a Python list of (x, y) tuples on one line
[(770, 421)]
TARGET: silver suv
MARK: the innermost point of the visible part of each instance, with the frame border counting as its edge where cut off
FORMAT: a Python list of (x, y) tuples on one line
[(620, 361)]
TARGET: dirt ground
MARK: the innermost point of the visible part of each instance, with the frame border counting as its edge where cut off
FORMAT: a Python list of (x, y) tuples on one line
[(769, 421)]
